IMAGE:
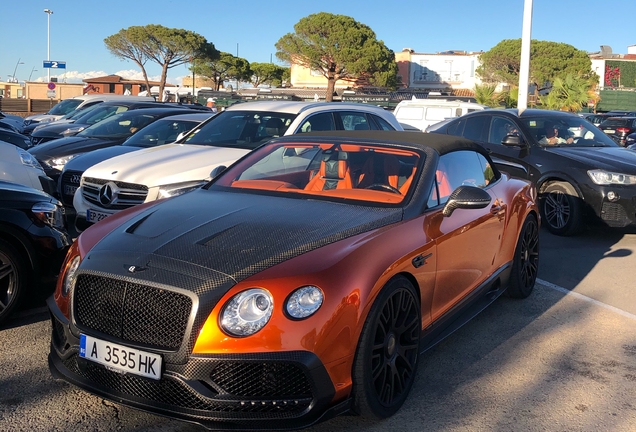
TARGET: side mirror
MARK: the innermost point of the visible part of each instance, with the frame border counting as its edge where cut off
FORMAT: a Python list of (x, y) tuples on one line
[(466, 197), (216, 171), (512, 140)]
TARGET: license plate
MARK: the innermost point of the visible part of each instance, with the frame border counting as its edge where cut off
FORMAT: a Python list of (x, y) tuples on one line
[(609, 131), (95, 216), (120, 358), (70, 190)]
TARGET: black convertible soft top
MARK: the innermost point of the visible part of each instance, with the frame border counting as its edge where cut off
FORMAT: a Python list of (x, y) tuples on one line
[(441, 143)]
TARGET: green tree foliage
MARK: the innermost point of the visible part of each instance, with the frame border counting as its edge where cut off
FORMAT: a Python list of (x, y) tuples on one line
[(168, 47), (223, 68), (548, 61), (339, 48), (568, 94), (267, 73), (485, 94)]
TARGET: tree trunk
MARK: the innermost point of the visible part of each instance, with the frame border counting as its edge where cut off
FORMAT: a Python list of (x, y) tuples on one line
[(145, 74), (331, 85), (162, 82)]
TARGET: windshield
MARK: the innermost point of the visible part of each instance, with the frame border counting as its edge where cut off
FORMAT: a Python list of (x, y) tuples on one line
[(241, 129), (368, 173), (160, 132), (568, 131), (100, 113), (118, 126), (65, 107)]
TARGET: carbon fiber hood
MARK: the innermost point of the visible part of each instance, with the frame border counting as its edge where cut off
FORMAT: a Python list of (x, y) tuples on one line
[(208, 239)]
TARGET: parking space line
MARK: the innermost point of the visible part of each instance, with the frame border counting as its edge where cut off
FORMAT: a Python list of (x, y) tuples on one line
[(585, 298)]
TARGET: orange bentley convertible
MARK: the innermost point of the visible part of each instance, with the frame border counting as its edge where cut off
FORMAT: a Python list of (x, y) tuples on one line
[(304, 281)]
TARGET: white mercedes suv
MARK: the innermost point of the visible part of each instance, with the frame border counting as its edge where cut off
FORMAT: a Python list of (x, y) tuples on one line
[(154, 173)]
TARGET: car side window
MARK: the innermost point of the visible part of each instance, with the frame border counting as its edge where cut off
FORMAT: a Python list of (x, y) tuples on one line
[(499, 128), (459, 168), (318, 122), (456, 128), (476, 128), (354, 120), (382, 124)]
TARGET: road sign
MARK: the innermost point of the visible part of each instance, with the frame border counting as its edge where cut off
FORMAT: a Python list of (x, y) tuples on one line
[(51, 86), (50, 94), (54, 64)]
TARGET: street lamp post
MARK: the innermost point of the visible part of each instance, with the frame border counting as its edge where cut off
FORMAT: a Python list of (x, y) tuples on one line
[(16, 69), (48, 12), (31, 74)]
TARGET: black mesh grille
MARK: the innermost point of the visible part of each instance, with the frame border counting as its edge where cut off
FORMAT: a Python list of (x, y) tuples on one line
[(59, 338), (172, 392), (131, 311), (70, 182), (261, 379), (614, 215)]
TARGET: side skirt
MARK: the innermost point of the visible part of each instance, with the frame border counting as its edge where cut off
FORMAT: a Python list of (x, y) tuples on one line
[(467, 309)]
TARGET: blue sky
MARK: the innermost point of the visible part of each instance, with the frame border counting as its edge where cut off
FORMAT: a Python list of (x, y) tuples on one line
[(78, 28)]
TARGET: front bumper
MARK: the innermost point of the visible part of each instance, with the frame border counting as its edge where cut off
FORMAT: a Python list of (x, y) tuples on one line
[(259, 391), (619, 212)]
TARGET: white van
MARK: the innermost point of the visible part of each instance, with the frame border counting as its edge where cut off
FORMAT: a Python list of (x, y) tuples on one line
[(78, 102), (418, 114)]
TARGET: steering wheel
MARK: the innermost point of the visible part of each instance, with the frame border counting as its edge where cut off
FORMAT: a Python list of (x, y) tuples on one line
[(383, 187)]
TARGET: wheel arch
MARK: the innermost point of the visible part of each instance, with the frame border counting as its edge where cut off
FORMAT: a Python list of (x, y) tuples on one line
[(22, 244), (548, 178)]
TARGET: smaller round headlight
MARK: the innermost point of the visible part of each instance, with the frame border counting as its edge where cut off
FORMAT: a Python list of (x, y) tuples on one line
[(247, 312), (70, 277), (304, 302)]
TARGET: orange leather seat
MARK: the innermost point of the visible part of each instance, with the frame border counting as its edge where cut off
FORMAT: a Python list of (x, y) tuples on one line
[(333, 173), (379, 169)]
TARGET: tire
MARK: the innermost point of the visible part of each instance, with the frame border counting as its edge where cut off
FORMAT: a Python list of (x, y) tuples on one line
[(388, 351), (525, 263), (561, 209), (13, 279)]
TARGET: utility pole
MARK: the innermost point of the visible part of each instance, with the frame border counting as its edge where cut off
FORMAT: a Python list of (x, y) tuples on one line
[(48, 13), (524, 67)]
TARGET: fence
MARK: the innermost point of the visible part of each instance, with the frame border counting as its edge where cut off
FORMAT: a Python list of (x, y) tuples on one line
[(26, 106)]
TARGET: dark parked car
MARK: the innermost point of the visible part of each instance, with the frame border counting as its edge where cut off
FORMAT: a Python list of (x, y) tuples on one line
[(163, 131), (80, 121), (14, 121), (596, 119), (15, 138), (33, 242), (53, 155), (301, 283), (76, 121), (618, 128), (585, 177)]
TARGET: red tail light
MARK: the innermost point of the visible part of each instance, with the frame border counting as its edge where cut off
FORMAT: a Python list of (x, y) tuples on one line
[(622, 130)]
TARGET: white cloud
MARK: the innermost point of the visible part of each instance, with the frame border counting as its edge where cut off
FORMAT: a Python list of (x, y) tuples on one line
[(132, 74)]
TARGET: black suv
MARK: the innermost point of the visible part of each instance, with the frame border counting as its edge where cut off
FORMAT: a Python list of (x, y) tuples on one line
[(581, 174)]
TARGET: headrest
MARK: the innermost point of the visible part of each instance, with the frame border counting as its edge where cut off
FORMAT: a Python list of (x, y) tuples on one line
[(334, 165)]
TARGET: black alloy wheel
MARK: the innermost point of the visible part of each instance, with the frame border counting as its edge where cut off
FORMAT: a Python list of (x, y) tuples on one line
[(388, 351), (561, 209), (525, 264), (12, 279)]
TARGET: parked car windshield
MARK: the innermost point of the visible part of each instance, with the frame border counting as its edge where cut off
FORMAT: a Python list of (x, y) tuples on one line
[(118, 126), (366, 173), (100, 113), (241, 129), (65, 107), (581, 132), (619, 122), (160, 132)]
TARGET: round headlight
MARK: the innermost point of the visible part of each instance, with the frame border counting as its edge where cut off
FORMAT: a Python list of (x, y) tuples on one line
[(247, 312), (304, 302), (70, 277)]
